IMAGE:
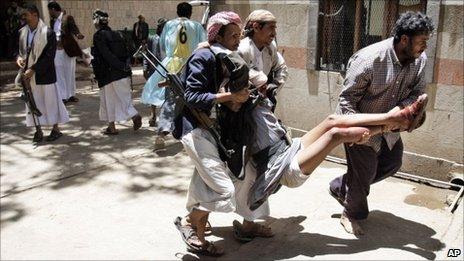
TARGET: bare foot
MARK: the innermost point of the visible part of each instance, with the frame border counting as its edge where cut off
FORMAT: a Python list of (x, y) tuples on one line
[(160, 142), (351, 226), (353, 134), (409, 116), (192, 238)]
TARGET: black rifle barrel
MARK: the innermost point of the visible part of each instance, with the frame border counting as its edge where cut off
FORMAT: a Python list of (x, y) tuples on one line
[(178, 90), (28, 96)]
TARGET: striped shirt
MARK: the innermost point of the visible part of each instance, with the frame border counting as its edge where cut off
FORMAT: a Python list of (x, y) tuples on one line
[(376, 82)]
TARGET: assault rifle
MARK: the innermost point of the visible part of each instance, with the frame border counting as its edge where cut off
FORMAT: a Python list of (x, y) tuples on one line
[(28, 97), (173, 81)]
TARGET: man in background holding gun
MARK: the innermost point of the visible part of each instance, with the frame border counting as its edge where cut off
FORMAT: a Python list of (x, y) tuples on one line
[(37, 46)]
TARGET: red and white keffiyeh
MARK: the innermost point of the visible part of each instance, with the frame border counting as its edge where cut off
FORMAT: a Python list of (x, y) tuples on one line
[(220, 19)]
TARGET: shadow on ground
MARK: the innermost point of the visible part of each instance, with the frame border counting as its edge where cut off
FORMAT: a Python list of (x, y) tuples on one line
[(83, 148), (384, 230)]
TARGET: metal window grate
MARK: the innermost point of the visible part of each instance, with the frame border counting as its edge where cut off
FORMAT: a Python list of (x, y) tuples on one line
[(346, 26)]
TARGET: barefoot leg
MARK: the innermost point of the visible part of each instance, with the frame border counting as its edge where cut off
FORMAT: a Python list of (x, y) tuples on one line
[(198, 220), (311, 156)]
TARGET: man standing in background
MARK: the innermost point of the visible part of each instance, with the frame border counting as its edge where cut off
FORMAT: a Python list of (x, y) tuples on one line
[(178, 40), (112, 70), (65, 61), (140, 32)]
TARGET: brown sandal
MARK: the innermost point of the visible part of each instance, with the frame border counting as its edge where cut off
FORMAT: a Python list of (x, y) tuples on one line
[(108, 131), (247, 236), (137, 121), (188, 235), (209, 249), (208, 229)]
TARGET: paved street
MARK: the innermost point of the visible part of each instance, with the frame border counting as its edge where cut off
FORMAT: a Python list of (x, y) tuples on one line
[(90, 196)]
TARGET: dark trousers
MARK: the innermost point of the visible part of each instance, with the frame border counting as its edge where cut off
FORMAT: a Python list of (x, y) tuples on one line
[(365, 167)]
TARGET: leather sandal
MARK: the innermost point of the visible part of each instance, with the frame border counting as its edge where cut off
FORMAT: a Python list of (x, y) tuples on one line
[(54, 135), (137, 120), (38, 137), (247, 236), (108, 131)]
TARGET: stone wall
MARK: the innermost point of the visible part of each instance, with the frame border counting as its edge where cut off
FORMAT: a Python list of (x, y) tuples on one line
[(122, 13), (434, 150)]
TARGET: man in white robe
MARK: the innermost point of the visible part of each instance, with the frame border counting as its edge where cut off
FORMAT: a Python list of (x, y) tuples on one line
[(112, 71), (37, 44), (64, 63)]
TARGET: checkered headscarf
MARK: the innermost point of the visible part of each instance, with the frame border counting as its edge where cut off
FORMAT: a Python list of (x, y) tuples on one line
[(100, 17), (220, 19)]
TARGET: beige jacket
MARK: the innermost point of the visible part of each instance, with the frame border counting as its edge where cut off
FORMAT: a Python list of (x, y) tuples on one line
[(273, 63)]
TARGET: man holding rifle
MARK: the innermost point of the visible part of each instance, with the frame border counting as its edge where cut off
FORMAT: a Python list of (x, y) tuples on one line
[(37, 46), (211, 188)]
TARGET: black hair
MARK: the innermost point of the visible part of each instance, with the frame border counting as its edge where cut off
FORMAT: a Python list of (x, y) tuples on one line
[(249, 32), (54, 5), (184, 9), (222, 30), (31, 8), (412, 24), (161, 22), (101, 16)]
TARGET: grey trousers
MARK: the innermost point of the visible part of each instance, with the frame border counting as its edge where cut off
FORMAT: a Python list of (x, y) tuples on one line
[(365, 167)]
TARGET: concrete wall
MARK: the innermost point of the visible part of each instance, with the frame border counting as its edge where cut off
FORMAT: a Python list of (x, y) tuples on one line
[(434, 150), (122, 13)]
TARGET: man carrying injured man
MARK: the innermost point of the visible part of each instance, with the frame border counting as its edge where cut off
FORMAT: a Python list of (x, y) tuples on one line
[(278, 163)]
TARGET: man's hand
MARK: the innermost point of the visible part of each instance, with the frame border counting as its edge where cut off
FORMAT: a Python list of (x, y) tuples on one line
[(28, 74), (263, 90), (20, 62), (234, 97), (240, 96)]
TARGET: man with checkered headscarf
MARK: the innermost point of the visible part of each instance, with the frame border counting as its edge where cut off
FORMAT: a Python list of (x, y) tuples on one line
[(112, 71), (211, 188)]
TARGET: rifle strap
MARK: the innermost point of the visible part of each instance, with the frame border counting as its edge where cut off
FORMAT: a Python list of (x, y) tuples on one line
[(29, 48)]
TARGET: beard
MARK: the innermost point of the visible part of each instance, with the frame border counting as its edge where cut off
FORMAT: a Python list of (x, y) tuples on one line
[(408, 53)]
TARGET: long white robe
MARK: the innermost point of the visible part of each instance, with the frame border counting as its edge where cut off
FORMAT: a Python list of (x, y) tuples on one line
[(116, 101), (48, 101), (46, 96), (65, 67), (213, 187)]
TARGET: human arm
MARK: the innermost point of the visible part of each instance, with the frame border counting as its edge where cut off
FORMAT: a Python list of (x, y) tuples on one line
[(200, 90), (102, 47), (22, 55)]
